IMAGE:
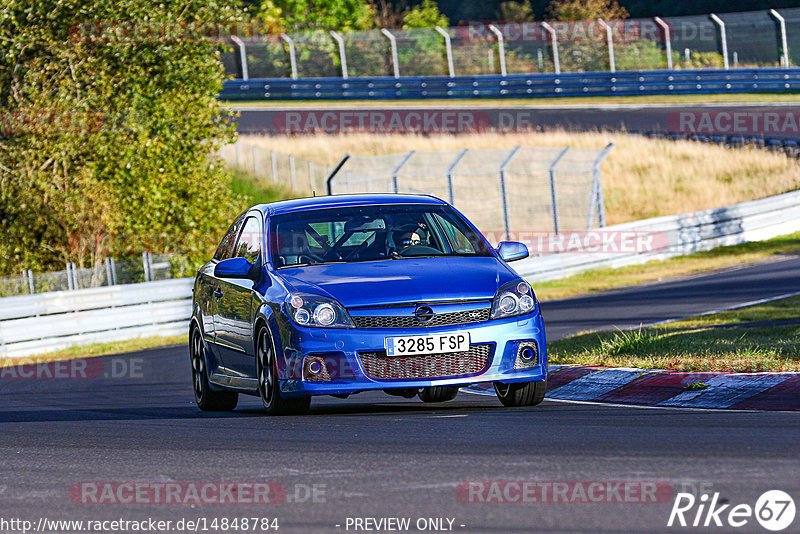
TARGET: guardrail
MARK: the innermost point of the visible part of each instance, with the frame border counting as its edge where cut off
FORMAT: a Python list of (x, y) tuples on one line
[(34, 324), (621, 83), (683, 234)]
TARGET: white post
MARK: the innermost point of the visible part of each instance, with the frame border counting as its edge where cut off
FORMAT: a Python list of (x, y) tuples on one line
[(255, 160), (292, 55), (342, 55), (501, 47), (448, 49), (667, 40), (274, 166), (311, 176), (393, 46), (610, 40), (723, 38), (549, 29), (242, 56), (784, 45)]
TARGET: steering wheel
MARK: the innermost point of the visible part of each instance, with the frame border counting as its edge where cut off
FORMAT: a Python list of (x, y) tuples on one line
[(418, 250)]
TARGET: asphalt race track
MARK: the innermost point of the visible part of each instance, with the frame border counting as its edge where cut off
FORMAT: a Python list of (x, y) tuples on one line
[(378, 456), (334, 117)]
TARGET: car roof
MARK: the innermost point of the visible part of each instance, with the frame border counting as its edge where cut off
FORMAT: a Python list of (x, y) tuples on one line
[(340, 201)]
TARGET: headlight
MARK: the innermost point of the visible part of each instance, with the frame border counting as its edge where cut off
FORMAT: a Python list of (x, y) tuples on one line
[(514, 298), (317, 311)]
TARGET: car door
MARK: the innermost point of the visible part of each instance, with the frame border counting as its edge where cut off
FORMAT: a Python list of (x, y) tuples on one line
[(233, 321), (208, 287)]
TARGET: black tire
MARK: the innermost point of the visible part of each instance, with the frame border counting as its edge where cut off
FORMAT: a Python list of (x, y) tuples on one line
[(207, 399), (523, 394), (267, 369), (438, 393)]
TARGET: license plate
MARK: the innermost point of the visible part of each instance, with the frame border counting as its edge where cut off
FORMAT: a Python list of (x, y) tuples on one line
[(436, 344)]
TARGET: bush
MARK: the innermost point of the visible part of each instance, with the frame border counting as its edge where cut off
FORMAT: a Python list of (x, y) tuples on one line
[(108, 133)]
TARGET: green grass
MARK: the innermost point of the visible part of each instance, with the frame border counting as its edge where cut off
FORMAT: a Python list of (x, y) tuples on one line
[(654, 271), (257, 190), (98, 349), (478, 102), (695, 344)]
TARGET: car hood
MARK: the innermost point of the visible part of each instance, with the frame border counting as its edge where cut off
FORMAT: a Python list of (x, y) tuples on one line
[(408, 280)]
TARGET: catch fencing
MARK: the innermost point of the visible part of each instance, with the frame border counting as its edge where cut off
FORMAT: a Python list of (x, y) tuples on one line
[(113, 271), (504, 190), (297, 174), (719, 41)]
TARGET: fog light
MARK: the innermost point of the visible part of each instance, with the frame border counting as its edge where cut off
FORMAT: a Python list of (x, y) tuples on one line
[(527, 355), (314, 367)]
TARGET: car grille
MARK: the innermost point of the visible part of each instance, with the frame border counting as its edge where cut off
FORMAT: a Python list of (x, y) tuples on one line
[(409, 321), (379, 366)]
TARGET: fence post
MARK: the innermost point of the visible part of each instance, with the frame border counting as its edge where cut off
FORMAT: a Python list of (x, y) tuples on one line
[(342, 55), (71, 282), (274, 166), (597, 190), (448, 49), (723, 38), (667, 40), (332, 173), (501, 48), (111, 271), (503, 193), (311, 177), (242, 56), (551, 171), (396, 170), (238, 148), (610, 40), (146, 263), (255, 160), (393, 48), (450, 195), (291, 170), (554, 43), (784, 46), (292, 57)]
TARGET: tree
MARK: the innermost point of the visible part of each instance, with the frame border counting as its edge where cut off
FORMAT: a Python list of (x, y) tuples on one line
[(515, 11), (111, 129), (425, 15), (586, 10), (303, 15)]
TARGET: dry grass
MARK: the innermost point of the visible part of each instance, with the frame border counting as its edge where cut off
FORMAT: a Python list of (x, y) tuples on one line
[(641, 178)]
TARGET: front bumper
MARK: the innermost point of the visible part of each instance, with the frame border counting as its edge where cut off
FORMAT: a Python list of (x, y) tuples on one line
[(340, 350)]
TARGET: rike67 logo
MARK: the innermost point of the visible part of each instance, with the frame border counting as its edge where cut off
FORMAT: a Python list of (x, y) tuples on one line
[(774, 510)]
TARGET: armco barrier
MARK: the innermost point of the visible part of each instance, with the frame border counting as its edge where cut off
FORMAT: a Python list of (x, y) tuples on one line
[(646, 82), (33, 324), (691, 232)]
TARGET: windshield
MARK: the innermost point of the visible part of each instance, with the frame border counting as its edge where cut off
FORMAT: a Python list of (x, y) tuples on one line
[(371, 233)]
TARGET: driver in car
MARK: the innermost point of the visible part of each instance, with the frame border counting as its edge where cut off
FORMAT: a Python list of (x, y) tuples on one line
[(406, 238)]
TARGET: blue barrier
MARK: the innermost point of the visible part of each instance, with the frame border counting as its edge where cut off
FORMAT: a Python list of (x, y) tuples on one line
[(649, 82)]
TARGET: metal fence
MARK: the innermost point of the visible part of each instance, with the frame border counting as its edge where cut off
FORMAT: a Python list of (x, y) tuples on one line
[(145, 268), (300, 175), (729, 40), (500, 191)]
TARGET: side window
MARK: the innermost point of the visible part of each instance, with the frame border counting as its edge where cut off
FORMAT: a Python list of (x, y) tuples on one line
[(249, 244), (225, 248), (458, 241)]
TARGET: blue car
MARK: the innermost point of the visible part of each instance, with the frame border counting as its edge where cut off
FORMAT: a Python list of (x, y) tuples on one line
[(342, 294)]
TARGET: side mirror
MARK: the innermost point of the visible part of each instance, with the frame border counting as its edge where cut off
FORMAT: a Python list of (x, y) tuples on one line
[(512, 250), (234, 268)]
